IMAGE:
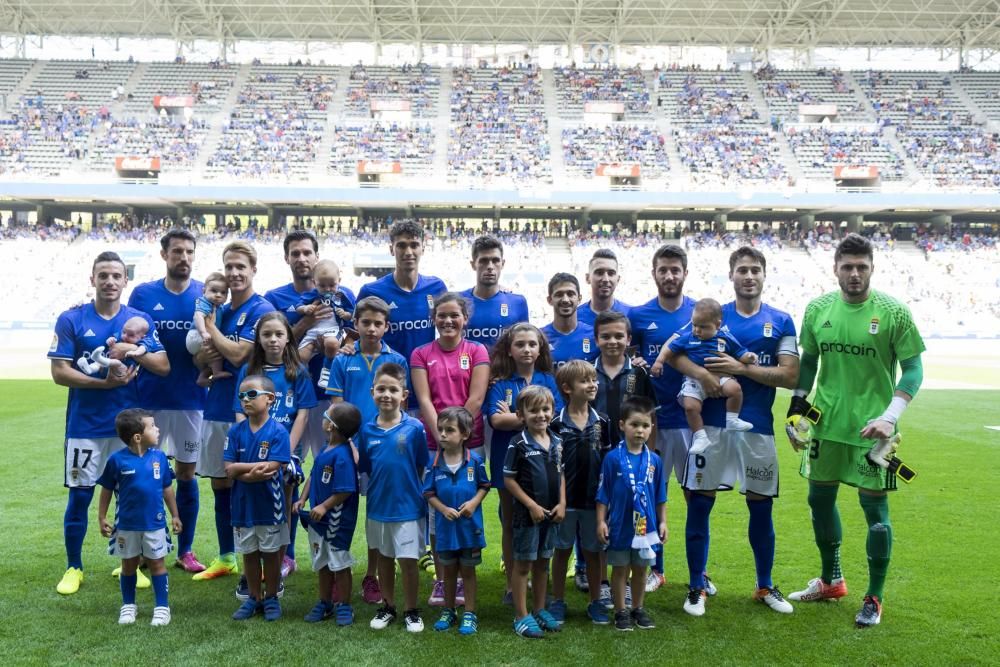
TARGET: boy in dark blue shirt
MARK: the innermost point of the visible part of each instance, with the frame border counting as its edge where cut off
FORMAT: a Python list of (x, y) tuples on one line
[(455, 487), (704, 339), (632, 511), (332, 490), (140, 477), (392, 449), (255, 450)]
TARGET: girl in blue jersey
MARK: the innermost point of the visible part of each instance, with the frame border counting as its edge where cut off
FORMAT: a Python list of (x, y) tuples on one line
[(275, 356), (521, 358)]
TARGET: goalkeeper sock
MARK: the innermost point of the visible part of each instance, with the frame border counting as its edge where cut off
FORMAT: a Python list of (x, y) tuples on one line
[(760, 532), (826, 528), (696, 537), (879, 542)]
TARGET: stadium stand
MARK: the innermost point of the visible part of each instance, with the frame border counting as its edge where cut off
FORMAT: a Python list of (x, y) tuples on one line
[(585, 147), (417, 85), (785, 90), (578, 86), (819, 150), (412, 145)]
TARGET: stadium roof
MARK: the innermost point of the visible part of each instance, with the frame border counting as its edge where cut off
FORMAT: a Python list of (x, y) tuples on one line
[(757, 23)]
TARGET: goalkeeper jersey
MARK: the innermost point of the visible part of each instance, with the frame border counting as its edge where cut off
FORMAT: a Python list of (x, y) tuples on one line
[(859, 346)]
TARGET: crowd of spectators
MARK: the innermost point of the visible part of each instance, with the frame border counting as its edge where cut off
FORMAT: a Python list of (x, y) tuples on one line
[(955, 157), (609, 84), (268, 142), (821, 149), (417, 84), (584, 148), (175, 141), (722, 100), (730, 155), (412, 144)]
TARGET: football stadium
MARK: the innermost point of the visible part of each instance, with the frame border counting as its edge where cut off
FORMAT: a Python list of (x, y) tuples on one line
[(501, 187)]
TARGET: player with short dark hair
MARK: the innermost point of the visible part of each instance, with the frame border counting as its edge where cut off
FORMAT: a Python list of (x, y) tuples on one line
[(603, 278), (856, 336), (493, 309), (94, 395), (176, 400), (568, 337)]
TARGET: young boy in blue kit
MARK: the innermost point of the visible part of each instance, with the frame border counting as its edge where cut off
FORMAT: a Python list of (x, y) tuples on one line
[(632, 511), (455, 487), (140, 477), (332, 490), (256, 449), (392, 449), (533, 474), (705, 339)]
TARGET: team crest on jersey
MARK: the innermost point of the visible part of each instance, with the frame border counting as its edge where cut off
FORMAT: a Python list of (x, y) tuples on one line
[(873, 327), (721, 344), (264, 448), (586, 346), (768, 328), (327, 474), (156, 470), (463, 362), (55, 343), (650, 471), (289, 399), (630, 384), (504, 310), (243, 318), (470, 474), (509, 397), (430, 302)]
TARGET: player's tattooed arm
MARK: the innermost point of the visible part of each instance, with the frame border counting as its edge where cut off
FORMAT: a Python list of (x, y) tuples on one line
[(785, 374)]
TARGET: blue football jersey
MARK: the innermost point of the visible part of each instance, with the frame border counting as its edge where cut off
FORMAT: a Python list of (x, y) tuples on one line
[(173, 315), (587, 315), (580, 344), (453, 489), (352, 377), (652, 326), (90, 413), (258, 503), (285, 299), (138, 483), (333, 472), (410, 324), (769, 333), (289, 397), (491, 316), (238, 324), (395, 460), (615, 492)]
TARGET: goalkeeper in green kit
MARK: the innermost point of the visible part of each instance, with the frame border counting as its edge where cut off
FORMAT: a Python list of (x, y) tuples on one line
[(856, 337)]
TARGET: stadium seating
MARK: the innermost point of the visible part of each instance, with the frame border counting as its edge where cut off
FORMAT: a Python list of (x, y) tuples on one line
[(819, 150), (611, 84), (417, 84), (785, 90), (585, 147), (412, 145)]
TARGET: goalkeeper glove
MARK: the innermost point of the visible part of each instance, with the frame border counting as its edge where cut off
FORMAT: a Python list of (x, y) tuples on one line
[(798, 425), (883, 455)]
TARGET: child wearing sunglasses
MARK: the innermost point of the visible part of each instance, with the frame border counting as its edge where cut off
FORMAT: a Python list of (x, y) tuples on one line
[(256, 450)]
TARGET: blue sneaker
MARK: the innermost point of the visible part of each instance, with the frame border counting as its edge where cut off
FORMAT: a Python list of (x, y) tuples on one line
[(470, 624), (447, 619), (248, 610), (528, 627), (242, 589), (547, 621), (508, 599), (322, 611), (597, 613), (344, 614), (272, 609), (558, 610)]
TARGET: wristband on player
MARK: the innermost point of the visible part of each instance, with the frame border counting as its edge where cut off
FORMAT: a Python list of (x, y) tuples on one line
[(800, 406), (894, 410)]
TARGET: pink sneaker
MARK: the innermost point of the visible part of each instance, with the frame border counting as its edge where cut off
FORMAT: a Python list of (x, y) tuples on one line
[(287, 566), (437, 595), (189, 563), (371, 593), (460, 593)]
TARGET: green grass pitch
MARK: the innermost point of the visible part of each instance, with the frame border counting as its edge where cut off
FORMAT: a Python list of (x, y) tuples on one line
[(939, 609)]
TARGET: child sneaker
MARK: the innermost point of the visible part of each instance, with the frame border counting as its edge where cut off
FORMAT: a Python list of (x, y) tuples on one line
[(437, 595), (371, 592), (642, 619), (343, 614), (383, 617), (413, 621), (470, 624), (597, 613), (272, 609), (448, 618), (528, 627), (161, 616), (623, 620), (127, 614), (322, 611)]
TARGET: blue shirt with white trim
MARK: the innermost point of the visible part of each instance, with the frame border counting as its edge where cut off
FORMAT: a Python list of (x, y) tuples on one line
[(538, 471), (333, 472), (491, 316), (173, 315), (615, 493), (238, 324), (258, 503), (138, 483), (453, 489), (507, 390), (410, 323), (90, 413), (586, 314), (652, 326), (578, 344), (289, 397), (395, 460), (352, 376)]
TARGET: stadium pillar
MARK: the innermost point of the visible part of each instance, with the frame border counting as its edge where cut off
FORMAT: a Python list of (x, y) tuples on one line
[(854, 223), (941, 223), (719, 222), (41, 213), (807, 222)]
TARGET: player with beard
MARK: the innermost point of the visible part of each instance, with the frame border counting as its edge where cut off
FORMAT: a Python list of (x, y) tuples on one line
[(603, 278)]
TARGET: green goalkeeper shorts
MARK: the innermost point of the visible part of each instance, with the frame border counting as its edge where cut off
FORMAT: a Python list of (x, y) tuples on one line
[(829, 461)]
